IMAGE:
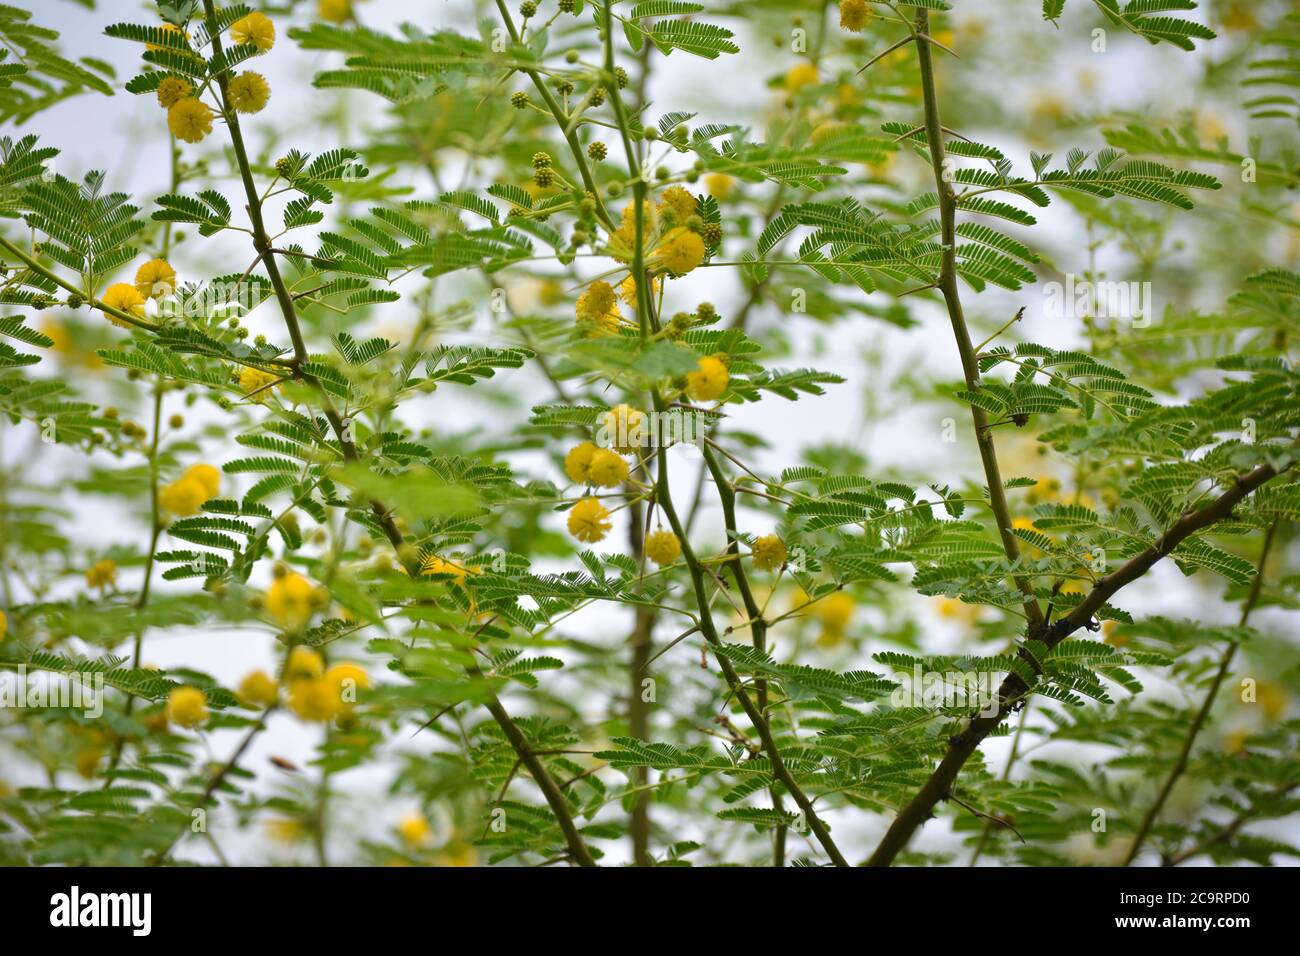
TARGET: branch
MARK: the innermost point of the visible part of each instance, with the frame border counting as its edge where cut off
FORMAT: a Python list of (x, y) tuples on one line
[(948, 286), (1013, 689), (1180, 765), (559, 807)]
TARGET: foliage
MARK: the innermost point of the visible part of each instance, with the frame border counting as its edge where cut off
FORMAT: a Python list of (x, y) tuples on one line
[(441, 318)]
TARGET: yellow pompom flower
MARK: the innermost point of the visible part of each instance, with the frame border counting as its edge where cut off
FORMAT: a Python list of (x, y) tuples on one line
[(254, 383), (708, 381), (315, 700), (800, 76), (123, 297), (597, 310), (413, 829), (678, 252), (719, 185), (249, 92), (187, 706), (680, 201), (346, 678), (205, 475), (623, 428), (190, 120), (662, 547), (257, 29), (768, 552), (290, 600), (155, 279), (173, 89), (608, 469), (577, 463), (432, 564), (4, 625), (101, 574), (834, 611), (183, 497), (627, 289), (334, 11), (854, 15), (258, 689), (589, 520), (303, 664)]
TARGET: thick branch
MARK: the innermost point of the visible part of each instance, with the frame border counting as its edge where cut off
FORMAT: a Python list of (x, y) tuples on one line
[(938, 786)]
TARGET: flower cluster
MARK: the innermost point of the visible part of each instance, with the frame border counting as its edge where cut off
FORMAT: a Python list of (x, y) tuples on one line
[(188, 117)]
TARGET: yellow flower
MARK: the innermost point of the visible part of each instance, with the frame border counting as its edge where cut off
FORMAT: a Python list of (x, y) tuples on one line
[(1046, 488), (834, 611), (413, 829), (346, 679), (719, 185), (258, 689), (432, 564), (627, 289), (315, 699), (257, 29), (589, 520), (608, 469), (190, 120), (124, 298), (623, 426), (1273, 700), (954, 609), (335, 11), (253, 382), (680, 201), (205, 475), (86, 762), (1113, 637), (183, 497), (1023, 524), (768, 552), (249, 92), (172, 90), (285, 829), (662, 547), (678, 252), (800, 76), (577, 463), (155, 279), (623, 240), (290, 600), (597, 310), (854, 15), (303, 663), (187, 706), (4, 625), (709, 381), (101, 574)]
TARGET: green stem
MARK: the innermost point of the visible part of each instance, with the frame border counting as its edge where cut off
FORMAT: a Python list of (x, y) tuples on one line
[(1180, 765), (952, 298)]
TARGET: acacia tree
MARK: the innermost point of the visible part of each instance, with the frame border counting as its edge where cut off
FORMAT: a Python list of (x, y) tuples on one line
[(281, 481)]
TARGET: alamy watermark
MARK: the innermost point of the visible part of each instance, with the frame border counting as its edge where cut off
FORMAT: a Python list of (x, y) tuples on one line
[(676, 426), (1131, 302), (926, 688), (81, 690)]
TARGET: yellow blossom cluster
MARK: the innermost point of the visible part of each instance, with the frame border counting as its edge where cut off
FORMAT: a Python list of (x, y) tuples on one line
[(317, 693), (101, 574), (184, 496), (188, 117)]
